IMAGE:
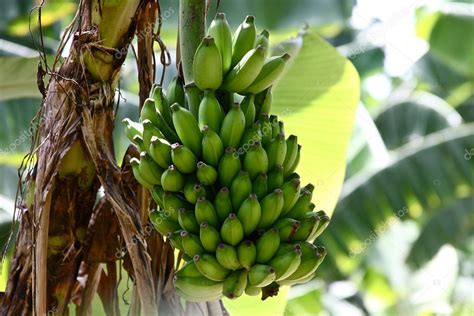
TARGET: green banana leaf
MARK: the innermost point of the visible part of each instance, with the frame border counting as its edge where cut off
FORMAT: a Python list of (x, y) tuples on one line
[(422, 114), (18, 78), (422, 178)]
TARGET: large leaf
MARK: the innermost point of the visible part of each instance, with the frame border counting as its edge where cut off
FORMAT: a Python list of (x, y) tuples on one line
[(422, 178), (423, 114), (18, 77)]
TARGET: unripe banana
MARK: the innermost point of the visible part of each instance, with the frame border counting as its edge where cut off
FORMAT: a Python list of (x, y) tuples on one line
[(191, 244), (198, 289), (187, 220), (287, 263), (160, 151), (210, 237), (206, 174), (249, 214), (175, 91), (247, 253), (235, 284), (271, 205), (210, 268), (233, 127), (323, 223), (301, 207), (251, 135), (212, 148), (267, 245), (308, 224), (245, 71), (132, 128), (248, 107), (292, 168), (149, 170), (275, 178), (291, 193), (263, 40), (309, 187), (261, 275), (193, 98), (229, 167), (157, 195), (172, 180), (263, 102), (205, 212), (187, 128), (135, 163), (227, 257), (256, 160), (266, 129), (272, 69), (210, 112), (193, 190), (253, 290), (223, 204), (176, 240), (311, 258), (150, 131), (183, 158), (162, 223), (244, 39), (276, 151), (232, 231), (161, 105), (172, 202), (220, 30), (240, 189), (275, 126), (138, 141), (188, 270), (148, 111), (260, 186), (291, 153), (207, 65), (287, 228)]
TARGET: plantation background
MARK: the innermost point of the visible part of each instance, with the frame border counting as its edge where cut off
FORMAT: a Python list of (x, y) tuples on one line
[(401, 240)]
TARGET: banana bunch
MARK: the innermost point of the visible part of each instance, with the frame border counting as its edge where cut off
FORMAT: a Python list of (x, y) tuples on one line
[(222, 173)]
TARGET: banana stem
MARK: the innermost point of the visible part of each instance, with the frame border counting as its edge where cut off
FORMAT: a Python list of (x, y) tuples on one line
[(192, 17)]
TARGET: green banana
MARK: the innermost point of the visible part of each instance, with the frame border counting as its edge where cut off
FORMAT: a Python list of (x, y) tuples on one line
[(212, 147), (210, 268), (270, 72), (244, 39), (256, 160), (311, 258), (240, 189), (267, 245), (210, 237), (183, 158), (266, 129), (323, 223), (276, 151), (308, 225), (206, 174), (210, 112), (248, 107), (172, 180), (160, 151), (253, 290), (148, 111), (275, 126), (247, 253), (263, 102), (295, 163), (162, 223), (311, 207), (291, 153), (261, 275), (192, 191), (188, 270), (191, 244), (135, 163), (232, 231), (291, 193), (138, 141), (251, 135), (227, 257), (172, 202), (287, 228), (132, 128), (229, 167), (223, 204), (161, 105), (245, 71), (157, 195), (149, 170), (198, 289), (287, 263), (175, 239), (175, 91), (233, 127), (260, 186), (249, 214), (193, 98), (205, 212), (263, 40), (235, 284), (301, 207), (187, 220), (207, 65), (220, 30), (271, 205), (275, 178), (150, 131), (187, 128)]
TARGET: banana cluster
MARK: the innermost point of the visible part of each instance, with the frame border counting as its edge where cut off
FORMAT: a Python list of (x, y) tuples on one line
[(222, 173)]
